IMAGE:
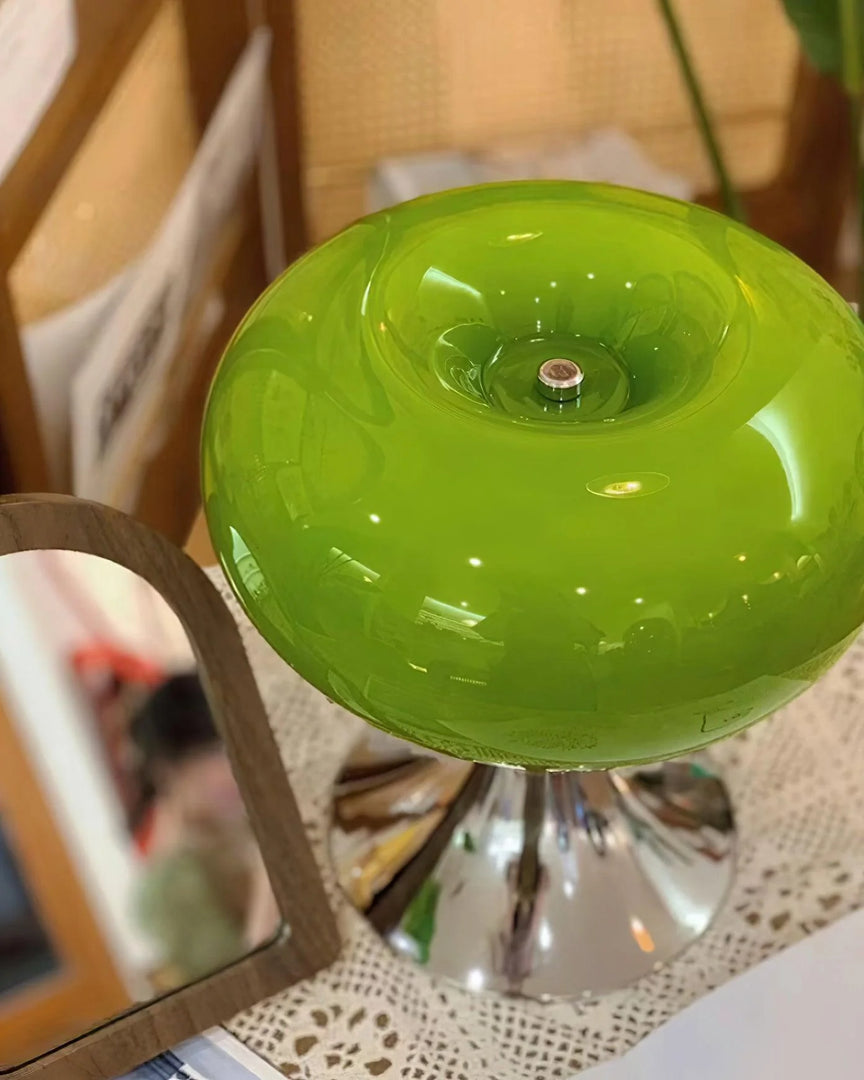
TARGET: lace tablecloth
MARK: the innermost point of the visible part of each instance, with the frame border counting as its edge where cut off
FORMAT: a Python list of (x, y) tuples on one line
[(796, 781)]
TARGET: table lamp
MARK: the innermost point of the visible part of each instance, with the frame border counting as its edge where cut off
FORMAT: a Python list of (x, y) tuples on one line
[(563, 479)]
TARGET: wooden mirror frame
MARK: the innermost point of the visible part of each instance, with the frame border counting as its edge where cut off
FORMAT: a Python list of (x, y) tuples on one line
[(311, 939)]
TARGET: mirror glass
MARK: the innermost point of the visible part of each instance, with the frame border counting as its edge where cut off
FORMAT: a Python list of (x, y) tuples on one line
[(127, 864)]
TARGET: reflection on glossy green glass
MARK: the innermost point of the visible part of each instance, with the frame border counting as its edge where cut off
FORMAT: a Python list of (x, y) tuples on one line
[(469, 565)]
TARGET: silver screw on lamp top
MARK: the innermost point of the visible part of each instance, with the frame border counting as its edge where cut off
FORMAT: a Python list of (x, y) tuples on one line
[(559, 379)]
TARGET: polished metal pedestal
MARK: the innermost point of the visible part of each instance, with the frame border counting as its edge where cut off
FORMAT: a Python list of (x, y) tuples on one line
[(550, 884)]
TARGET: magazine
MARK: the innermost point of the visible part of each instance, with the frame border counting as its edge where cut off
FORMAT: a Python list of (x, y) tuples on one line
[(215, 1055)]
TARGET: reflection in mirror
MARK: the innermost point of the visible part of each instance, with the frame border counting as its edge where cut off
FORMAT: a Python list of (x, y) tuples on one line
[(127, 865), (25, 949)]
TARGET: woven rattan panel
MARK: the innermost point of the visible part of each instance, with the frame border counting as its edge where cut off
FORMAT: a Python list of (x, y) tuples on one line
[(389, 77)]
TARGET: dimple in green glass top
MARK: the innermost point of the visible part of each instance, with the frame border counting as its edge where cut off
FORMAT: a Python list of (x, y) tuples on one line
[(435, 544)]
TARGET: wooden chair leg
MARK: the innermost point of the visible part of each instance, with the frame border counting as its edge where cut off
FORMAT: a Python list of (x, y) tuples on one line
[(23, 466), (803, 208)]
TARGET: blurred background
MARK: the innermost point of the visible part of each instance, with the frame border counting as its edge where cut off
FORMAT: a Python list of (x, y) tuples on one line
[(160, 162)]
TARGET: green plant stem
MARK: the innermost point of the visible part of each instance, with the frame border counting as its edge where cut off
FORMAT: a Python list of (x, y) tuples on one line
[(731, 201), (853, 80)]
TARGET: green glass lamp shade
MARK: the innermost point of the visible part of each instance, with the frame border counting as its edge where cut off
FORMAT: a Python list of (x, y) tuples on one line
[(506, 570)]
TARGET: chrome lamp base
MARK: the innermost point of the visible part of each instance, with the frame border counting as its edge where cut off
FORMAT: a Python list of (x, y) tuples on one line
[(544, 885)]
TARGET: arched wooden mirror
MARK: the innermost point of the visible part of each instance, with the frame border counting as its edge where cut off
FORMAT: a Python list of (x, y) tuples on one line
[(155, 877)]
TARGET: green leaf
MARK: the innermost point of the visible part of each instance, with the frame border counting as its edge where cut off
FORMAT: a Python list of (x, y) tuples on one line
[(818, 26)]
